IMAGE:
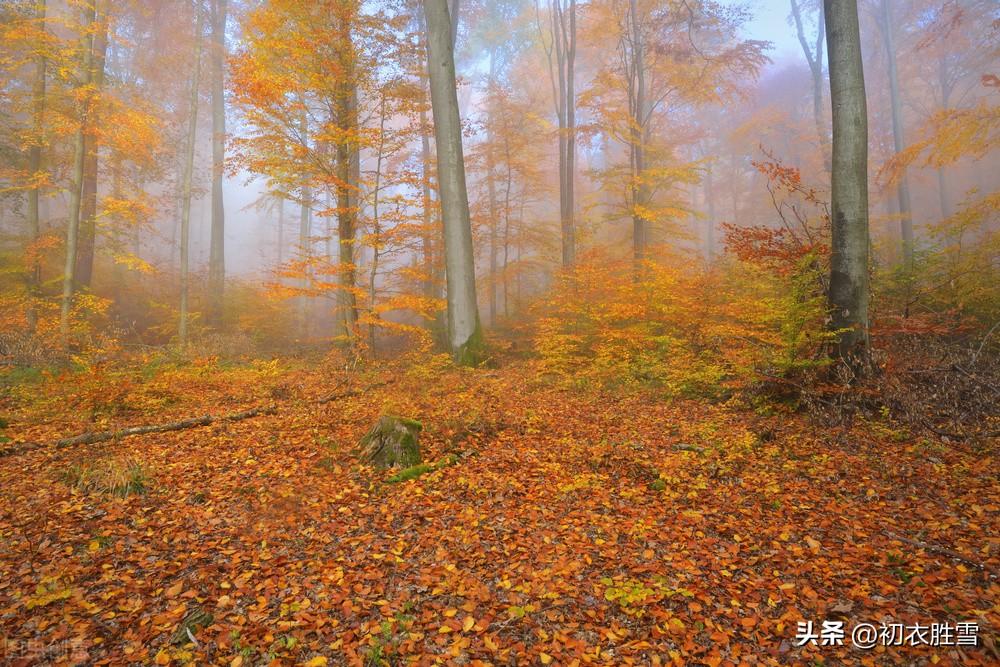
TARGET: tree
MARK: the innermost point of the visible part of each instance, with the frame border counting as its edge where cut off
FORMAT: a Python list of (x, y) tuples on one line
[(814, 56), (188, 170), (86, 45), (88, 196), (34, 167), (217, 249), (562, 73), (898, 141), (848, 287), (464, 333)]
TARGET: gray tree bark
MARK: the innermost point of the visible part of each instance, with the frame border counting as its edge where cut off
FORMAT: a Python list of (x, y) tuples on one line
[(217, 244), (348, 185), (185, 227), (87, 15), (849, 290), (814, 56), (305, 236), (898, 141), (34, 166), (88, 195), (464, 333)]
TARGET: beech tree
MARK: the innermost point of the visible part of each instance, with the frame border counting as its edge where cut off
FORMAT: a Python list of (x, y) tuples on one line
[(848, 288), (464, 333), (217, 248)]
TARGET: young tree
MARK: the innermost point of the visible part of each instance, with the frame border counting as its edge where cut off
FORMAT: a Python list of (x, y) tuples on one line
[(464, 333), (848, 288)]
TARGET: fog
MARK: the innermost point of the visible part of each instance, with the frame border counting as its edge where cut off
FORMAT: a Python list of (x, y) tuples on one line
[(729, 88)]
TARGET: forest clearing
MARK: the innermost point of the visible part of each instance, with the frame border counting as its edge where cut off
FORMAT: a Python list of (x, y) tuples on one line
[(499, 332), (567, 528)]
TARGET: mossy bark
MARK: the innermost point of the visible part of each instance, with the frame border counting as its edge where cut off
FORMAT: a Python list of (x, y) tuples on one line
[(391, 442)]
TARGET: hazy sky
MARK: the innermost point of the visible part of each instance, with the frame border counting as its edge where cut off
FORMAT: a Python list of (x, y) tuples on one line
[(770, 23)]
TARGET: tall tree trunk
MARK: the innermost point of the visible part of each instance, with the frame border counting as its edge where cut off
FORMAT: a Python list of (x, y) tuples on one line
[(464, 334), (185, 227), (34, 167), (305, 237), (217, 246), (87, 15), (88, 195), (567, 31), (710, 223), (849, 189), (814, 56), (348, 179), (944, 195), (898, 141), (281, 230), (640, 190), (492, 188)]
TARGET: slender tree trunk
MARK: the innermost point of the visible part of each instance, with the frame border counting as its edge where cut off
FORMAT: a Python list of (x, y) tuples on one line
[(185, 227), (562, 62), (217, 244), (492, 188), (88, 195), (427, 238), (305, 237), (568, 33), (815, 60), (638, 187), (944, 195), (281, 230), (898, 141), (34, 167), (464, 334), (849, 291), (348, 177), (711, 222), (87, 15)]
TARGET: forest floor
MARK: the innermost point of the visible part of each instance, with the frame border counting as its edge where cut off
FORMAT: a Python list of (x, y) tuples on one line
[(571, 526)]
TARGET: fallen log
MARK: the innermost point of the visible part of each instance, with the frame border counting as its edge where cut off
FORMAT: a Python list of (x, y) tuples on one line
[(104, 436)]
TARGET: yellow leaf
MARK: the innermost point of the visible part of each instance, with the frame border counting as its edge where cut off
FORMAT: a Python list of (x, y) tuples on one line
[(545, 658), (162, 658), (236, 662), (490, 644), (318, 661), (444, 629), (468, 623)]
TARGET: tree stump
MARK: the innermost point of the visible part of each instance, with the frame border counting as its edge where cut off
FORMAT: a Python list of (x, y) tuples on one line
[(393, 441)]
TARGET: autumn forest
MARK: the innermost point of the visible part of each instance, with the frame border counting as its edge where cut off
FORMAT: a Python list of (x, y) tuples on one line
[(499, 332)]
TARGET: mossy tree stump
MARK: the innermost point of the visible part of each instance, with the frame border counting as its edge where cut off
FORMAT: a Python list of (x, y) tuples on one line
[(391, 442)]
